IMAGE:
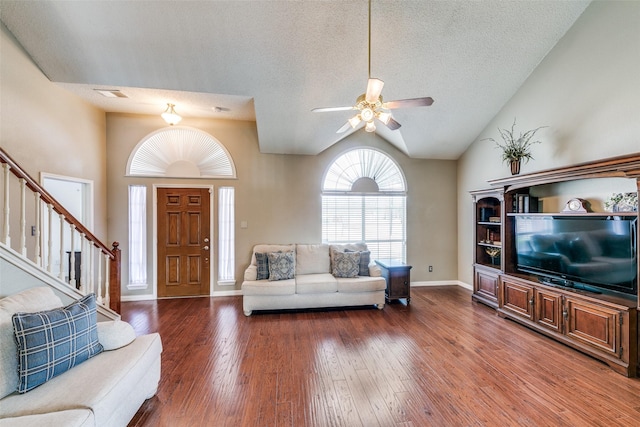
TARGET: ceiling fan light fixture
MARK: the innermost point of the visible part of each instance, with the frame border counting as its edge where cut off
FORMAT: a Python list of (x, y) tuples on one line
[(367, 114), (370, 127), (355, 121), (170, 116), (384, 117)]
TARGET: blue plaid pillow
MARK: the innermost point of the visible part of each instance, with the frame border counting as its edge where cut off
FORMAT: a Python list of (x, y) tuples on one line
[(52, 342), (365, 260), (262, 260)]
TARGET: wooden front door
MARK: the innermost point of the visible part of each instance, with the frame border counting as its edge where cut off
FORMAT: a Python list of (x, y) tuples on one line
[(183, 242)]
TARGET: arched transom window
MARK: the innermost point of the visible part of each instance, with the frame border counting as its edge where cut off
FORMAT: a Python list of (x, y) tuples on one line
[(364, 200), (180, 152)]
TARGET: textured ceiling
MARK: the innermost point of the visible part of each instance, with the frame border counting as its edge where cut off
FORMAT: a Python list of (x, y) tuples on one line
[(273, 61)]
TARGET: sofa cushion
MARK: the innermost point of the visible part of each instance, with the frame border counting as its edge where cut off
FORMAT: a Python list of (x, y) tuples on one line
[(30, 300), (346, 264), (66, 418), (264, 287), (262, 264), (321, 283), (51, 342), (114, 334), (355, 247), (282, 266), (312, 259), (361, 284)]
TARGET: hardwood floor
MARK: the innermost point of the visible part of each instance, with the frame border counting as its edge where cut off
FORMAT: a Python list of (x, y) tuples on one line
[(442, 361)]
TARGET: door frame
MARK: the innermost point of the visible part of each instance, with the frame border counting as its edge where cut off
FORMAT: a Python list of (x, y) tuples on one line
[(154, 219)]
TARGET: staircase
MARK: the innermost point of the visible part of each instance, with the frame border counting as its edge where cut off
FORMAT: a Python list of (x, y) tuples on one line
[(33, 258)]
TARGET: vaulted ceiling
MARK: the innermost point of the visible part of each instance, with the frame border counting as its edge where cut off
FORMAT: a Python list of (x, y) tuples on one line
[(274, 61)]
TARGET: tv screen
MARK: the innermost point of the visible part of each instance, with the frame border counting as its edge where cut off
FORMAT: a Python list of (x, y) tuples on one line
[(580, 251)]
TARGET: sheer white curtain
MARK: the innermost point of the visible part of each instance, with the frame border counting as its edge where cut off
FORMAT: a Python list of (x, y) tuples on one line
[(226, 236), (137, 236)]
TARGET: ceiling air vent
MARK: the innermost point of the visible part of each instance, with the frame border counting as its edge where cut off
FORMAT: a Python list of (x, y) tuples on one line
[(111, 93)]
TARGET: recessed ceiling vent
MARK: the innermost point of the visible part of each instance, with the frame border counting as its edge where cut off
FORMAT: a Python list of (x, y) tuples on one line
[(111, 93)]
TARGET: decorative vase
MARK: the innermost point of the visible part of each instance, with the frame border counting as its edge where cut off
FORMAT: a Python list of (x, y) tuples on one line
[(515, 167)]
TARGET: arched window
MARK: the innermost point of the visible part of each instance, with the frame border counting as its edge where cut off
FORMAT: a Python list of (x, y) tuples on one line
[(364, 200), (180, 152)]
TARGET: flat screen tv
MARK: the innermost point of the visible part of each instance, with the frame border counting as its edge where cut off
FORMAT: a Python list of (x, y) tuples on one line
[(594, 253)]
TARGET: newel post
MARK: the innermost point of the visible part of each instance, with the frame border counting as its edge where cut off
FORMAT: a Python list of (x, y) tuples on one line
[(114, 279)]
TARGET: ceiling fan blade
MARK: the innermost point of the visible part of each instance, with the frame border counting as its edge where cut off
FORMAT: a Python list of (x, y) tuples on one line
[(344, 128), (325, 109), (393, 124), (406, 103), (374, 89)]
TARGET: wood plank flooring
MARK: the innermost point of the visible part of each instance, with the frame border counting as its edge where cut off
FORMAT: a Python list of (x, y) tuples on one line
[(442, 361)]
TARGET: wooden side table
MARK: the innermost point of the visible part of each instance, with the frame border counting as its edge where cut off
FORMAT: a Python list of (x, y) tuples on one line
[(398, 278)]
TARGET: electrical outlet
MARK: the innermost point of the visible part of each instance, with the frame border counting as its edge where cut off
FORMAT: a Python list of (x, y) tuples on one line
[(431, 269)]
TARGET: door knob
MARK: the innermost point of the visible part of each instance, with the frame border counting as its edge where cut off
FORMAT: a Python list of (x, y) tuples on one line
[(206, 240), (206, 248)]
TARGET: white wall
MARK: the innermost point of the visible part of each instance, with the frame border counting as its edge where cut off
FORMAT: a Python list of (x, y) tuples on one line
[(587, 91)]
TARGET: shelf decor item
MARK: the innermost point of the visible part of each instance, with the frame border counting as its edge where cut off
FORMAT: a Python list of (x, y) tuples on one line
[(622, 202), (494, 253), (516, 148)]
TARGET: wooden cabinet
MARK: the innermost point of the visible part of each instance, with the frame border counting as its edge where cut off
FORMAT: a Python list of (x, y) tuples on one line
[(488, 232), (517, 297), (604, 329), (398, 277), (485, 285)]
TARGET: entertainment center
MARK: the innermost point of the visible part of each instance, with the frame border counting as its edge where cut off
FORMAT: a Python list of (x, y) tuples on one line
[(570, 274)]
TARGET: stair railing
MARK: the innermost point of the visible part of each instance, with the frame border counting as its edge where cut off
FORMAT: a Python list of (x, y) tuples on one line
[(99, 266)]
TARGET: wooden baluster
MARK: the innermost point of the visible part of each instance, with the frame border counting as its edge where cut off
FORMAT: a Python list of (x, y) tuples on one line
[(106, 280), (83, 265), (38, 255), (98, 286), (72, 258), (91, 282), (23, 217), (61, 273), (50, 237), (6, 239)]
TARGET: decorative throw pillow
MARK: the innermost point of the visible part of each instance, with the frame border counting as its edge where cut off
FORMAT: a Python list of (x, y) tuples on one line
[(346, 264), (365, 260), (114, 334), (262, 261), (52, 342), (282, 265)]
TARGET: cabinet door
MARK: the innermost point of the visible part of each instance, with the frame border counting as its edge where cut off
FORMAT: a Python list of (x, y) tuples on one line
[(595, 325), (398, 283), (517, 297), (548, 309), (486, 284)]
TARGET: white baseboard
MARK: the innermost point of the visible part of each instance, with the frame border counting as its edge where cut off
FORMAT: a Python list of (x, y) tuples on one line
[(442, 283), (235, 292), (128, 298)]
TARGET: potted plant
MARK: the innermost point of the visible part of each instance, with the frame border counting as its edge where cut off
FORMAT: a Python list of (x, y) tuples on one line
[(516, 148)]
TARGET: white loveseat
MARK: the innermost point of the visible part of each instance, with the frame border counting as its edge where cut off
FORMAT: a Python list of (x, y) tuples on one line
[(105, 390), (316, 282)]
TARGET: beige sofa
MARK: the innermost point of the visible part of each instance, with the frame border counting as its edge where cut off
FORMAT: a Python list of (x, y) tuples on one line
[(106, 390), (316, 282)]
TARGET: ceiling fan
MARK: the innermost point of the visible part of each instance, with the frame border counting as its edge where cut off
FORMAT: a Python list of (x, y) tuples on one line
[(370, 105)]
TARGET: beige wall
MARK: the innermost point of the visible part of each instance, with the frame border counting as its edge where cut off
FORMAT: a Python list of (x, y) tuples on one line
[(279, 195), (586, 91), (46, 129)]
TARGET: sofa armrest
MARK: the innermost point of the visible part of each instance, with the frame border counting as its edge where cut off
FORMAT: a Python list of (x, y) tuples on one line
[(251, 273), (374, 270)]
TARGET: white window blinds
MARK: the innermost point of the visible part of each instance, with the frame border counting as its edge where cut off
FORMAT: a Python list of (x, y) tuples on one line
[(137, 236), (226, 236)]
